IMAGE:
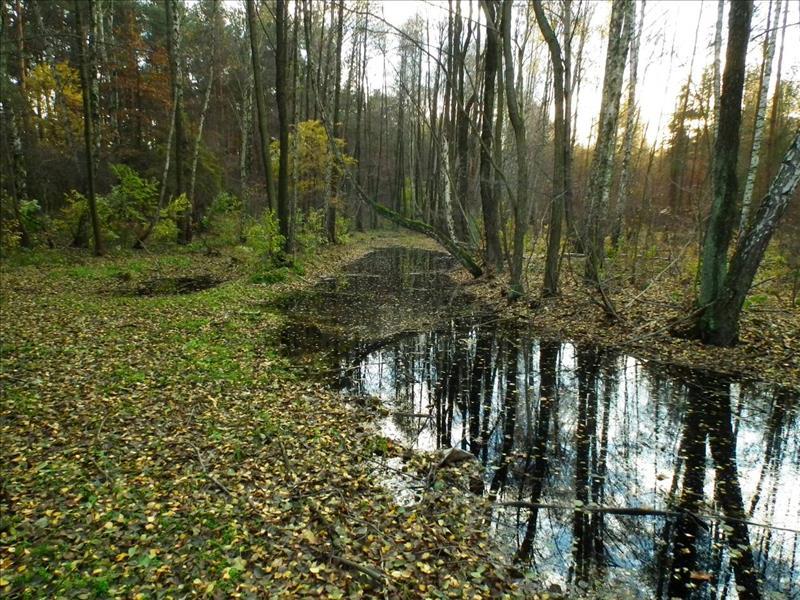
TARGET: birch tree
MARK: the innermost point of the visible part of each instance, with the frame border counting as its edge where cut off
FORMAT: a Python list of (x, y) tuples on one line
[(630, 126), (619, 33), (206, 98), (176, 75), (521, 201), (758, 128), (333, 190), (281, 35), (721, 318)]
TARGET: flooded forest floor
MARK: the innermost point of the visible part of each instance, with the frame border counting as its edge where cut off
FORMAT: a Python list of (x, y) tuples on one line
[(170, 428)]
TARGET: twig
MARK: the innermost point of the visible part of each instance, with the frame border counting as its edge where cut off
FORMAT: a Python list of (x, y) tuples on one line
[(214, 480), (371, 572)]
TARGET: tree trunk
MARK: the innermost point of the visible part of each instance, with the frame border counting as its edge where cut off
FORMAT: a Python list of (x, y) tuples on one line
[(721, 319), (630, 125), (333, 192), (206, 98), (722, 219), (521, 201), (88, 133), (602, 162), (173, 42), (761, 112), (560, 142), (774, 109), (16, 157), (491, 226), (281, 25), (162, 189), (261, 108), (717, 54)]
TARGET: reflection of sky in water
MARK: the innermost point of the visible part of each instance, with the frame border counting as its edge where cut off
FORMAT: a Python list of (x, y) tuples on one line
[(395, 290), (645, 425)]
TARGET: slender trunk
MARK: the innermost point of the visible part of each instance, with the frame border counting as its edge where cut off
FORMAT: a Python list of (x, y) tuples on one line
[(722, 317), (8, 125), (680, 142), (88, 136), (761, 111), (521, 202), (602, 162), (717, 68), (281, 31), (630, 125), (560, 142), (162, 189), (261, 108), (207, 97), (774, 110), (363, 90), (333, 191), (173, 43), (491, 226)]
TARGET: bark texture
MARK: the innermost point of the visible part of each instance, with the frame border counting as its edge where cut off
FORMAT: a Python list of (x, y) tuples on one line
[(722, 219)]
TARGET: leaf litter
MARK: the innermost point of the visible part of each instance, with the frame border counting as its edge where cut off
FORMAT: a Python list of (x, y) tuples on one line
[(161, 446)]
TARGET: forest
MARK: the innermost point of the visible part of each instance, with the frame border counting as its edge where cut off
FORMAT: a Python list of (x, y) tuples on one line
[(400, 298)]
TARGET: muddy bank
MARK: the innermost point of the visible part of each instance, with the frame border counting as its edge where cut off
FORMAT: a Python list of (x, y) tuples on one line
[(769, 347)]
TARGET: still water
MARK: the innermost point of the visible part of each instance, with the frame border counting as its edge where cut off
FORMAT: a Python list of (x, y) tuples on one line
[(653, 480)]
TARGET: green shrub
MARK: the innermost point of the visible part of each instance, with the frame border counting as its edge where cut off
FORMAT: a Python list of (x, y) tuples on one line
[(264, 239), (310, 230)]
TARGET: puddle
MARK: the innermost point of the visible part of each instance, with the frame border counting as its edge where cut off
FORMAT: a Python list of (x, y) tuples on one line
[(164, 286), (673, 472)]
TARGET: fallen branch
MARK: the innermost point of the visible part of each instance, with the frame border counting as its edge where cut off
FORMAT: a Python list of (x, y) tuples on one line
[(643, 512)]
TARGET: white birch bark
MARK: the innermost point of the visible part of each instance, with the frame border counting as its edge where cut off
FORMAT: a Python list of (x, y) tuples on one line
[(630, 124), (717, 62), (600, 178), (758, 130)]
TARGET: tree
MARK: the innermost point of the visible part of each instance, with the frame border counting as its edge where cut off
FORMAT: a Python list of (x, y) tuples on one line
[(521, 202), (261, 108), (176, 74), (758, 129), (204, 110), (284, 216), (722, 219), (491, 226), (630, 125), (720, 319), (330, 209), (88, 133), (602, 163), (561, 177)]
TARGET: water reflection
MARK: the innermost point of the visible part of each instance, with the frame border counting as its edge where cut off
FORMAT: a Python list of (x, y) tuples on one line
[(562, 428), (604, 468)]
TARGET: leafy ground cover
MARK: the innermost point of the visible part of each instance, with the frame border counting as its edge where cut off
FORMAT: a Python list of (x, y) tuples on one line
[(159, 445)]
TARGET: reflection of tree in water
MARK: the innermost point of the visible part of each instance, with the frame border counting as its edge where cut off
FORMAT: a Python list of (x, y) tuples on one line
[(601, 419), (617, 436), (554, 424)]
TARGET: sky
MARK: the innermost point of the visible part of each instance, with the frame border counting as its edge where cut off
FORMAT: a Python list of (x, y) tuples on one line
[(668, 25)]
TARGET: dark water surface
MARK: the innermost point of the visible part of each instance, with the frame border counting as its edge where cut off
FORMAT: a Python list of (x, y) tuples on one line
[(653, 478)]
